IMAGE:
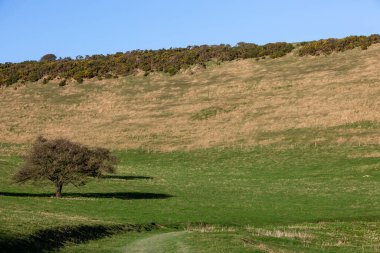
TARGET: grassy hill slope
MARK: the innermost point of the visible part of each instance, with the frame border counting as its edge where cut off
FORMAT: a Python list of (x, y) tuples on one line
[(275, 155), (293, 100)]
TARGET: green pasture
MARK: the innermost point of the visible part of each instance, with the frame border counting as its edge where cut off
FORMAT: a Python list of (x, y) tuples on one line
[(262, 199)]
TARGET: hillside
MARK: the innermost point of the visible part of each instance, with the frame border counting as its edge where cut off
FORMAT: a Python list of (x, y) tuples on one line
[(288, 100), (268, 155)]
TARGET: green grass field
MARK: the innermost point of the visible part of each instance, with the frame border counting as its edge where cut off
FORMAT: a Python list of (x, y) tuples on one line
[(263, 199)]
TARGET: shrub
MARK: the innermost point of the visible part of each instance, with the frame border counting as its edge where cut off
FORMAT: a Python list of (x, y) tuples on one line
[(172, 71), (108, 76), (78, 77), (62, 83), (48, 58)]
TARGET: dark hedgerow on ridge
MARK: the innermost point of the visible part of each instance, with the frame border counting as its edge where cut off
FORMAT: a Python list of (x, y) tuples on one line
[(328, 46), (122, 64), (165, 60)]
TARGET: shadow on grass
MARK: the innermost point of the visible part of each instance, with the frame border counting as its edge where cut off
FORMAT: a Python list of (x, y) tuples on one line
[(120, 177), (54, 238), (116, 195)]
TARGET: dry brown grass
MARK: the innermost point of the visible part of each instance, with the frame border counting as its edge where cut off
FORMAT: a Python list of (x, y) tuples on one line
[(281, 234), (155, 112), (207, 228), (24, 216), (321, 236)]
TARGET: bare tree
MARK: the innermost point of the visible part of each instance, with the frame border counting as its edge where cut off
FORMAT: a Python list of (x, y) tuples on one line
[(64, 162)]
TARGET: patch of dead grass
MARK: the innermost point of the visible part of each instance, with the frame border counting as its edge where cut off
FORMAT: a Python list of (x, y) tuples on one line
[(207, 228)]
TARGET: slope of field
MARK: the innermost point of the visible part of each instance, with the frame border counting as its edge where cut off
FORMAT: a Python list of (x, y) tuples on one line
[(242, 103), (265, 199)]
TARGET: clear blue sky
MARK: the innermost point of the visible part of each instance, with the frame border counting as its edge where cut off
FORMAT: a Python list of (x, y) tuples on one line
[(32, 28)]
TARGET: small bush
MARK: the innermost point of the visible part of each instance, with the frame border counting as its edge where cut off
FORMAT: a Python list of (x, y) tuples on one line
[(62, 83), (78, 77), (12, 79), (207, 113), (172, 71)]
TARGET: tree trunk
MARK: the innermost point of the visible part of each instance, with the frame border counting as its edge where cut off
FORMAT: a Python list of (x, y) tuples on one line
[(58, 190)]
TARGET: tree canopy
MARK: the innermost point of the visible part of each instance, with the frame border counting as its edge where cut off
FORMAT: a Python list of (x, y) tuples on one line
[(64, 162), (48, 57)]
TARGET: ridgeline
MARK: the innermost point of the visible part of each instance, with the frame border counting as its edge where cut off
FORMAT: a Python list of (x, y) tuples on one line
[(169, 61)]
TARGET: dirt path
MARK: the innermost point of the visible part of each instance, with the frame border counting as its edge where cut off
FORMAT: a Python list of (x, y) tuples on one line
[(166, 242)]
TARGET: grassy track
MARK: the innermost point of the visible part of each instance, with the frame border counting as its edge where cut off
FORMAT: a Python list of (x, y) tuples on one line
[(267, 199)]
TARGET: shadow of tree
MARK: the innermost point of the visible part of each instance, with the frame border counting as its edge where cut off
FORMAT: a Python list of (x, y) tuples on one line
[(125, 177), (55, 238), (116, 195)]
